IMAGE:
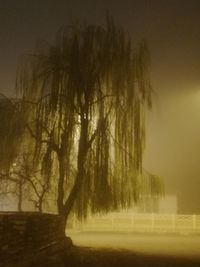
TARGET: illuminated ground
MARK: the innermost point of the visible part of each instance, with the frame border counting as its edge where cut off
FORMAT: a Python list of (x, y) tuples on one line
[(126, 249), (151, 244)]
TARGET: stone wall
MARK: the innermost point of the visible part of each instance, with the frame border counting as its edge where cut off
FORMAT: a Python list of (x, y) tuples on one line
[(27, 238)]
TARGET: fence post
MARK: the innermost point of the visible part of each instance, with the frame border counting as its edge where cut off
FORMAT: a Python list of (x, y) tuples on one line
[(152, 222), (174, 222), (132, 221), (194, 222), (112, 221)]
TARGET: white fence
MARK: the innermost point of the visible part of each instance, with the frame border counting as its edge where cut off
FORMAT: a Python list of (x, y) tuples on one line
[(133, 222)]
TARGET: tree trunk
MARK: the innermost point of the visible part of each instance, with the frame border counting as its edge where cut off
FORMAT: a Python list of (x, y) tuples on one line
[(60, 199), (64, 207), (40, 201), (20, 197)]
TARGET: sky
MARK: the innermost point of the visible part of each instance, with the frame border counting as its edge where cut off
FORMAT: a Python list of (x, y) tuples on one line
[(171, 28)]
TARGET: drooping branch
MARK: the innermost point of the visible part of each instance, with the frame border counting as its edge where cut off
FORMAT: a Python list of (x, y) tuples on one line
[(91, 90)]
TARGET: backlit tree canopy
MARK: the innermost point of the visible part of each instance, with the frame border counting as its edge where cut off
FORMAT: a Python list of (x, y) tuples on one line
[(85, 99)]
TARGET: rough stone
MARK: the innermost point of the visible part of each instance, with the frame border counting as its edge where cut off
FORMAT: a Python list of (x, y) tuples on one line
[(31, 239)]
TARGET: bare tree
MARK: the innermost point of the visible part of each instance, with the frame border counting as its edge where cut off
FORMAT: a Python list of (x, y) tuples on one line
[(11, 187), (11, 129), (25, 182)]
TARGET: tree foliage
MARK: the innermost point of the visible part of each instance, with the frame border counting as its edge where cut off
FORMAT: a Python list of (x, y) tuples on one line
[(84, 101)]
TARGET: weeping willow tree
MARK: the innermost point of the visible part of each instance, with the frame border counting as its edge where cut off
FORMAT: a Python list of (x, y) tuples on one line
[(87, 98)]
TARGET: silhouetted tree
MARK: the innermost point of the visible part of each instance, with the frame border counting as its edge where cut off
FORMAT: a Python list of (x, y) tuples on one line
[(11, 129), (84, 105), (24, 182), (12, 186)]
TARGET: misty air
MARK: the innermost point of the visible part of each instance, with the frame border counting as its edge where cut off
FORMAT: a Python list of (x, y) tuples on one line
[(99, 133)]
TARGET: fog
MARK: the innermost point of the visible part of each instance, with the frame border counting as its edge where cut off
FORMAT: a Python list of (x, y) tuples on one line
[(173, 145), (172, 31)]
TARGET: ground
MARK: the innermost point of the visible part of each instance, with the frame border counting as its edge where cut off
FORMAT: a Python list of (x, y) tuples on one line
[(126, 249), (87, 257)]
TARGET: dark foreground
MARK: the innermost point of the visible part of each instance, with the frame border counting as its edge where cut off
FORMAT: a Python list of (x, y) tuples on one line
[(109, 249), (88, 257), (101, 257)]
